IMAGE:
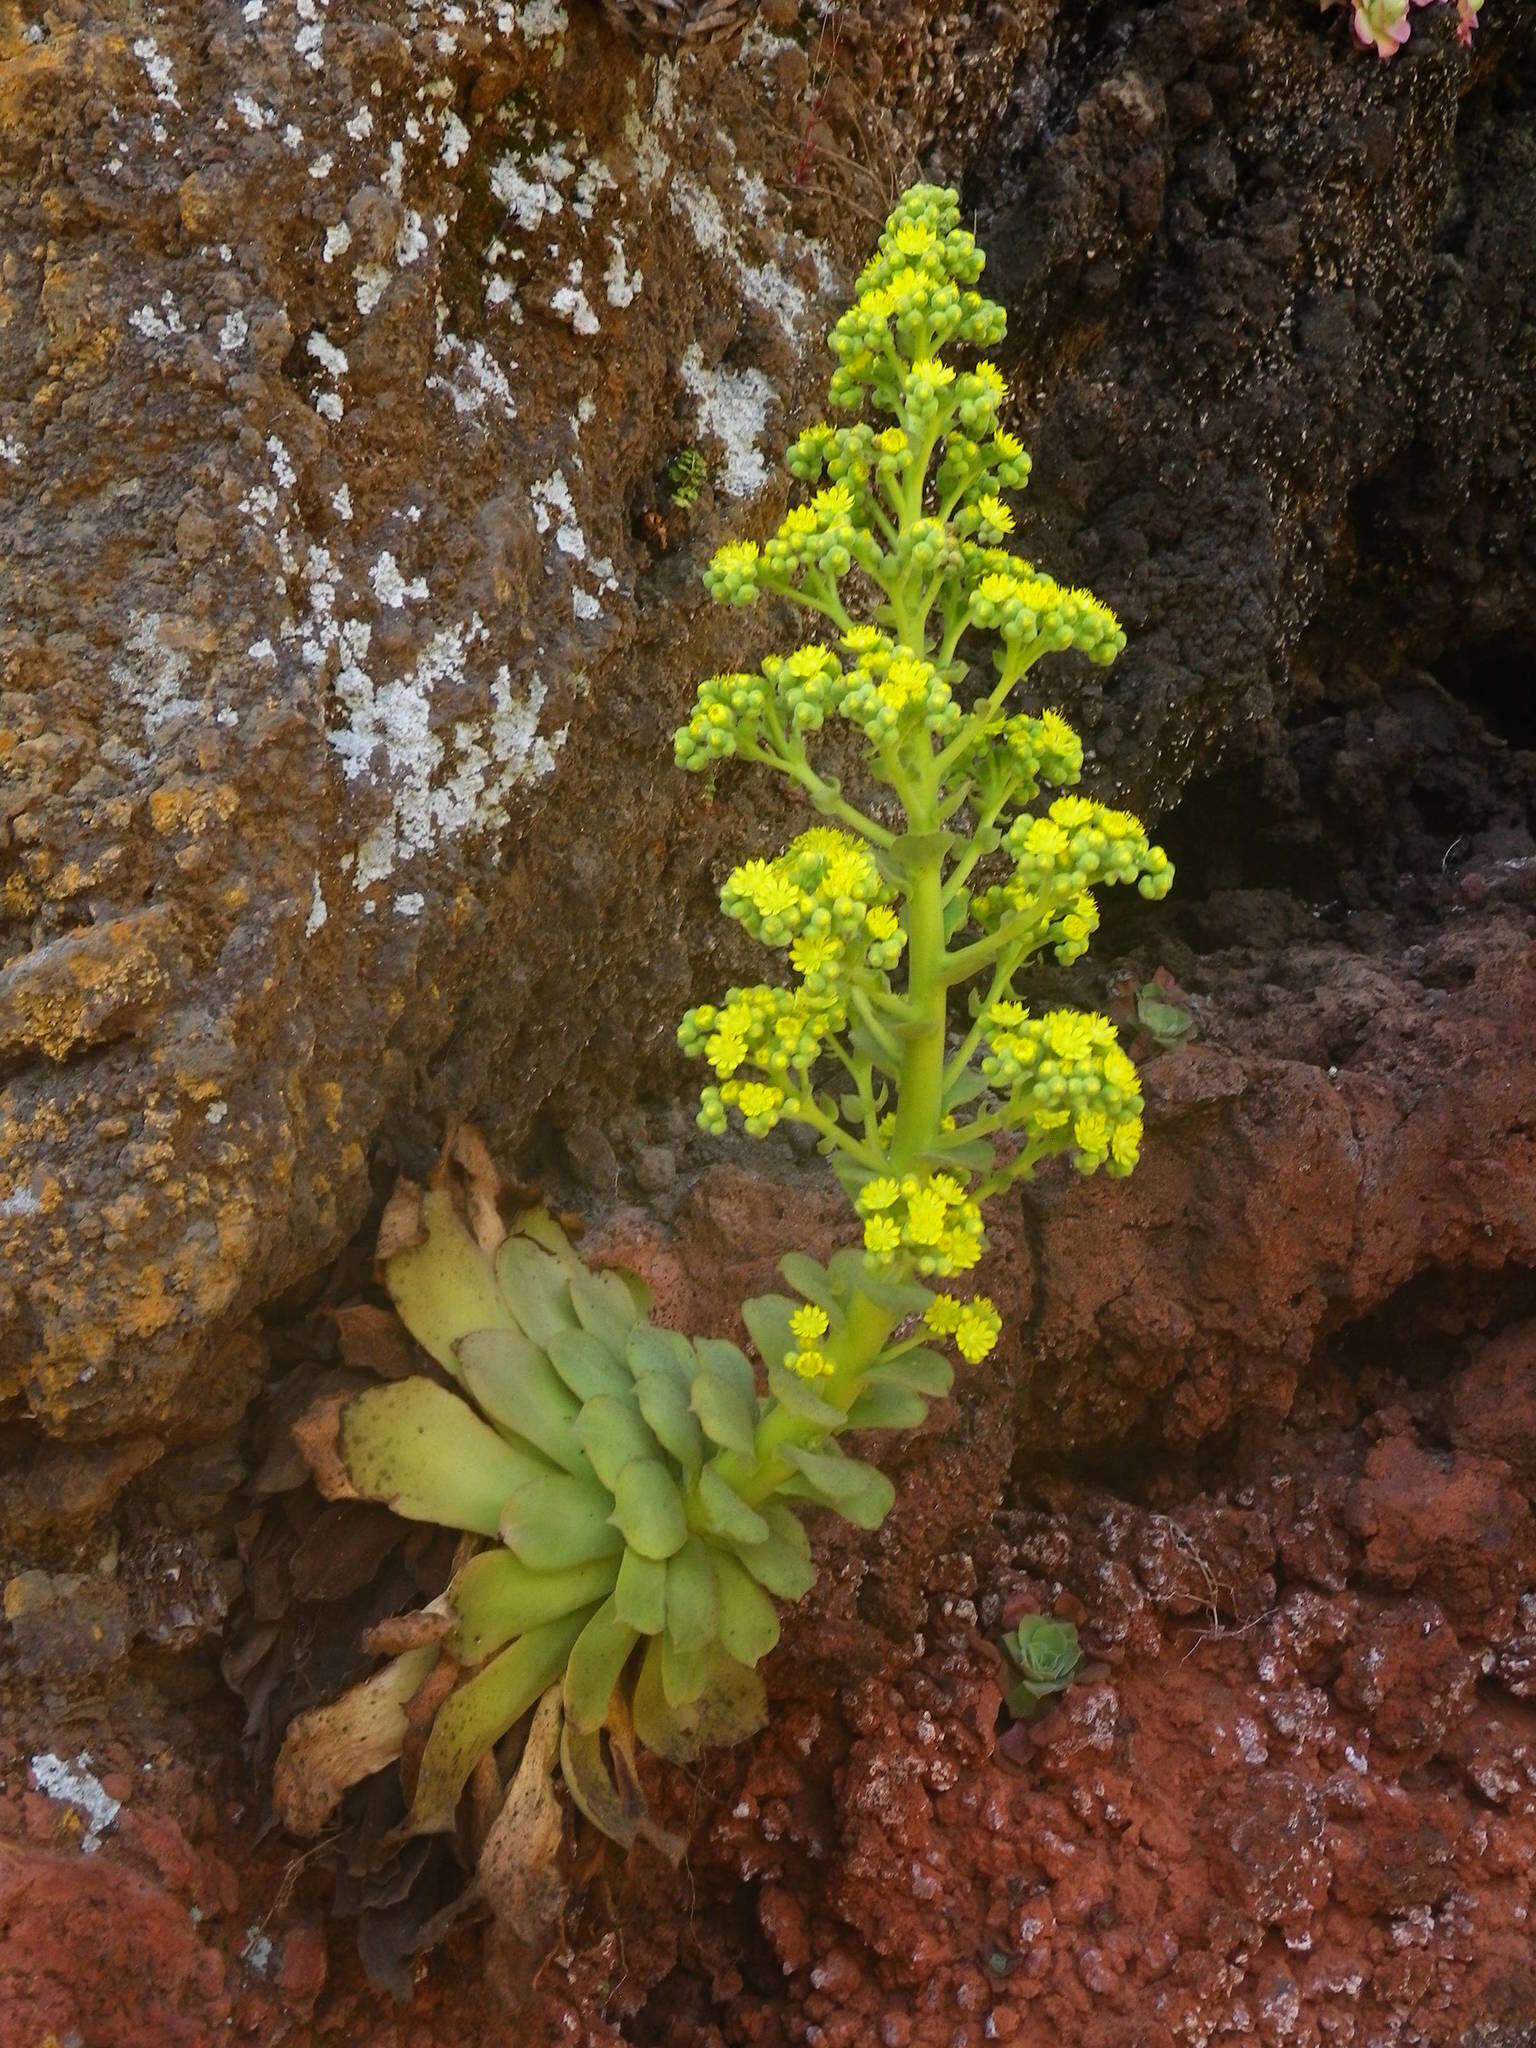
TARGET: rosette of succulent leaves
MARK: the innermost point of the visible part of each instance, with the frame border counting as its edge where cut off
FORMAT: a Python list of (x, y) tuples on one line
[(631, 1498)]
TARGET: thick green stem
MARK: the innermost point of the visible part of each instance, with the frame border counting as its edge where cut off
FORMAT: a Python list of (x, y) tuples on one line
[(920, 1103)]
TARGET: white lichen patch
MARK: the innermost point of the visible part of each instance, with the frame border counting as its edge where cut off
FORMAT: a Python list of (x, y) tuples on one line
[(370, 281), (539, 21), (621, 283), (570, 302), (75, 1785), (475, 379), (253, 114), (157, 69), (158, 324), (531, 191), (762, 284), (391, 588), (338, 240), (455, 140), (733, 406), (151, 675), (318, 912), (326, 354), (486, 759), (232, 333)]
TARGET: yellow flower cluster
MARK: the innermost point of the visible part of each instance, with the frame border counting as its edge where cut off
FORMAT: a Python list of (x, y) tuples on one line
[(928, 1217), (1065, 1072), (808, 1326), (1079, 845), (777, 1033), (1028, 610), (890, 690), (826, 900), (975, 1324), (1043, 749), (917, 283)]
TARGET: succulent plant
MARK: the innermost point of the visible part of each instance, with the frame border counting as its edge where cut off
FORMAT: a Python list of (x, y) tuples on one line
[(633, 1538), (1044, 1653), (630, 1497)]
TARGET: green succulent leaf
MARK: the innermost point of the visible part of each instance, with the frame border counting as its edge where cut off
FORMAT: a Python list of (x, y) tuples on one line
[(767, 1319), (781, 1568), (539, 1225), (518, 1389), (887, 1406), (692, 1606), (801, 1399), (597, 1659), (445, 1286), (728, 1706), (589, 1367), (728, 1416), (749, 1622), (648, 1509), (665, 1405), (605, 1307), (612, 1432), (558, 1521), (662, 1352), (897, 1297), (684, 1672), (427, 1454), (536, 1287), (860, 1493), (1046, 1653), (815, 1282), (640, 1593), (496, 1597), (923, 1371), (726, 1361), (724, 1511), (475, 1718)]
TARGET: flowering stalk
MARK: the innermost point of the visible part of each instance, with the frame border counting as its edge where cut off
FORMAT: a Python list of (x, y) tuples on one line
[(900, 558)]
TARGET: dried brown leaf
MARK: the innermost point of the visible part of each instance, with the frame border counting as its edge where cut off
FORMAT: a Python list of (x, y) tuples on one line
[(401, 1227), (519, 1872), (318, 1435), (402, 1632), (374, 1340)]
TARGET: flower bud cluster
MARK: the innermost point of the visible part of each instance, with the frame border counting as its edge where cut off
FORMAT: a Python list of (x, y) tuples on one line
[(975, 1325), (733, 572), (1065, 1072), (823, 898), (1041, 749), (927, 1217), (819, 537)]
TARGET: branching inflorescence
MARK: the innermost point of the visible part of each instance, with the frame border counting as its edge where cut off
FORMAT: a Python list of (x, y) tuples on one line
[(631, 1497)]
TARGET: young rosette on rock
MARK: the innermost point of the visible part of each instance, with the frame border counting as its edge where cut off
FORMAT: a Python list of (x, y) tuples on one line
[(629, 1497)]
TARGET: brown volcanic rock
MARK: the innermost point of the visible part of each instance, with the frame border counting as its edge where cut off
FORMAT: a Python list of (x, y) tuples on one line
[(348, 614)]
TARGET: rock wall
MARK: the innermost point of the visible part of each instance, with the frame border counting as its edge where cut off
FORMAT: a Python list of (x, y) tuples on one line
[(348, 611)]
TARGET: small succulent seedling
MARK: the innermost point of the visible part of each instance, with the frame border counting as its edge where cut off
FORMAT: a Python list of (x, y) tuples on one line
[(1044, 1654), (1165, 1022), (687, 473), (631, 1498)]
